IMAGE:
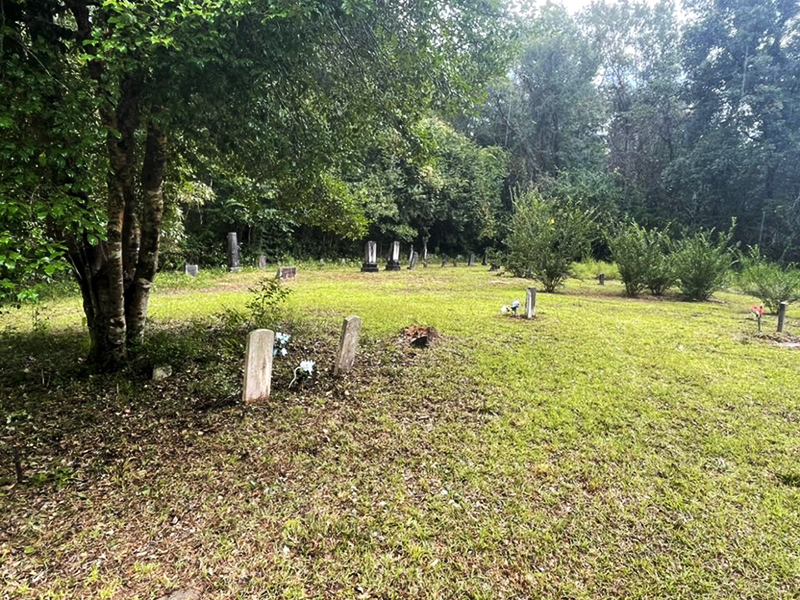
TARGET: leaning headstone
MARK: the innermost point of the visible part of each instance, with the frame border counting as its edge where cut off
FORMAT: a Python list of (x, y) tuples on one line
[(414, 260), (233, 252), (347, 345), (190, 270), (530, 304), (370, 258), (286, 273), (782, 316), (394, 257), (410, 254), (601, 279), (471, 262), (258, 365), (262, 261)]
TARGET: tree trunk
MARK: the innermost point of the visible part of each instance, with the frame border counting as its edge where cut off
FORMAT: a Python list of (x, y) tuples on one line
[(155, 160)]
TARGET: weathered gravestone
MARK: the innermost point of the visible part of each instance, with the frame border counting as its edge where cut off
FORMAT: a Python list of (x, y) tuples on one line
[(370, 258), (410, 254), (601, 279), (262, 261), (190, 270), (258, 365), (782, 316), (484, 261), (348, 344), (414, 260), (233, 252), (471, 262), (394, 257), (530, 303), (287, 272)]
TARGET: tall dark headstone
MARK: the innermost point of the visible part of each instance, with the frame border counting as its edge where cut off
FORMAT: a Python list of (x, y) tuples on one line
[(782, 316), (601, 279), (483, 262), (233, 252), (370, 258), (394, 257)]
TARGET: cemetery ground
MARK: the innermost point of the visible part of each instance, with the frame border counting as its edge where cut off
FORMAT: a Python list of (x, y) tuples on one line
[(611, 447)]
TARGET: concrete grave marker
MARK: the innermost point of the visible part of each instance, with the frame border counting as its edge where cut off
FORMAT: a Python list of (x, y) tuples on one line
[(370, 258), (262, 261), (601, 279), (286, 273), (348, 344), (471, 262), (414, 260), (394, 257), (258, 365), (233, 252), (530, 303), (782, 316), (190, 270)]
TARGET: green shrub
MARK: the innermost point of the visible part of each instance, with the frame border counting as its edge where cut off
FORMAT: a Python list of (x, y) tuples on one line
[(767, 281), (702, 266), (629, 249), (644, 259), (660, 272), (547, 238), (266, 305)]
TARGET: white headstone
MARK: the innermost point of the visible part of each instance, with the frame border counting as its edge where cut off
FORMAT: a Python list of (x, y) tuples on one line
[(348, 344), (258, 365), (530, 304)]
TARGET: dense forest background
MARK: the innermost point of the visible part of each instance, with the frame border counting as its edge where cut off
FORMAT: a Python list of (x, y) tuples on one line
[(685, 116)]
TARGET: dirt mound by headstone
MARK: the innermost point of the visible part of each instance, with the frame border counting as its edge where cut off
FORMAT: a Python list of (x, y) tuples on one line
[(418, 336)]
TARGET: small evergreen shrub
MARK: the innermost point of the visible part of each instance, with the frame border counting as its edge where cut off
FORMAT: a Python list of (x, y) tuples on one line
[(629, 249), (702, 265), (547, 237), (768, 281), (660, 271)]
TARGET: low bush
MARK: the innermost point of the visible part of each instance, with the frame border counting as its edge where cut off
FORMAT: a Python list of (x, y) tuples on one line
[(644, 259), (768, 281), (547, 237), (702, 265), (590, 269)]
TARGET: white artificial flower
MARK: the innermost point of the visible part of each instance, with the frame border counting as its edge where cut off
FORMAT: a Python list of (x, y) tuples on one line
[(284, 352), (307, 366)]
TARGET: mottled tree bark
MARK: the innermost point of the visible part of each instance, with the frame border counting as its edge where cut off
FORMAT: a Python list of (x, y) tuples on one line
[(155, 160)]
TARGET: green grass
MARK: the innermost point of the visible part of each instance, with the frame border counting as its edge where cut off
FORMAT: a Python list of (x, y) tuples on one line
[(611, 447)]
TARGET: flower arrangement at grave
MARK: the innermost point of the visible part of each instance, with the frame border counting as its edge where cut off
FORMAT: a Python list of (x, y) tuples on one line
[(281, 341), (758, 312), (505, 309), (305, 369)]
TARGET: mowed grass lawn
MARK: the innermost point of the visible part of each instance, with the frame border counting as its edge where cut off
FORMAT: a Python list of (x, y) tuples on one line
[(611, 447)]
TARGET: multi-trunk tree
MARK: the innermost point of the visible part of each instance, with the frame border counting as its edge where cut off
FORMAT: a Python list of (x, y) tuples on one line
[(98, 101)]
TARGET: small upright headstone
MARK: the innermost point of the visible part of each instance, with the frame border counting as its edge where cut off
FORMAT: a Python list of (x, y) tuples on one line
[(471, 262), (394, 258), (190, 270), (258, 365), (414, 260), (286, 273), (601, 279), (370, 258), (782, 316), (233, 252), (530, 304), (347, 345), (262, 261)]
